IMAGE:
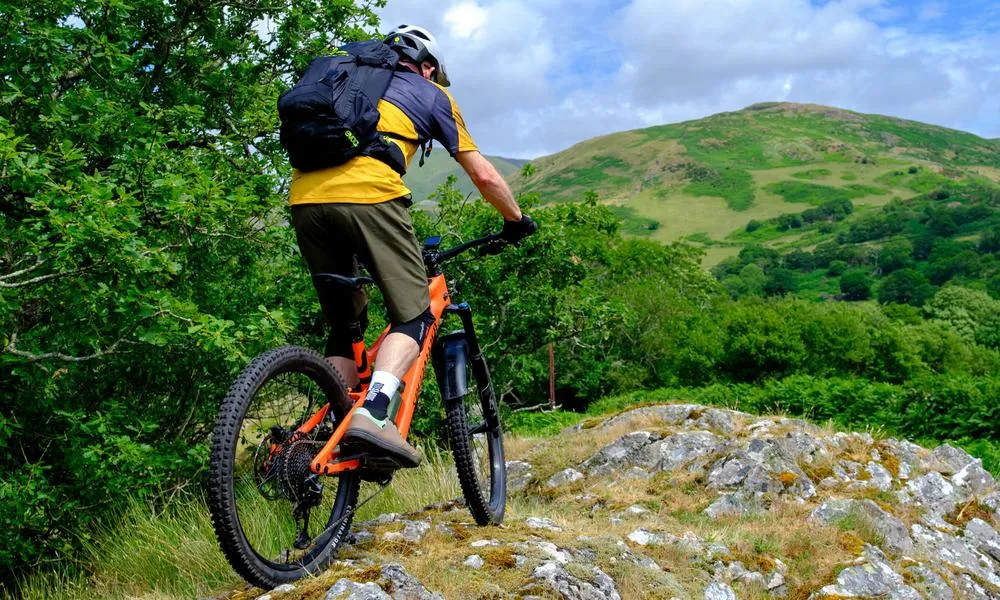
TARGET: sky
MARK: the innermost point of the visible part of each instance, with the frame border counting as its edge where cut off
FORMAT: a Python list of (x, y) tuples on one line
[(533, 77)]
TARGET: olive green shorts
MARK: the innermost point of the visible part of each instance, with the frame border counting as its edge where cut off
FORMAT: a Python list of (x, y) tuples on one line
[(335, 237)]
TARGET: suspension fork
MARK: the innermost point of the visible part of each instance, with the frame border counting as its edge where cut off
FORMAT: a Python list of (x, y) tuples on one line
[(449, 356)]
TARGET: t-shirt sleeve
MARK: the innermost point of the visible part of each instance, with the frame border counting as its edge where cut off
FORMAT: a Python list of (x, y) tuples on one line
[(448, 126)]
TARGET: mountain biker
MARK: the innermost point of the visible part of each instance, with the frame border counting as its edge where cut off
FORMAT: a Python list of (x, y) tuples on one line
[(358, 212)]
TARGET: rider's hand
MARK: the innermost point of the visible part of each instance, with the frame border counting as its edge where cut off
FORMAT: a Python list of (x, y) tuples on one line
[(515, 231)]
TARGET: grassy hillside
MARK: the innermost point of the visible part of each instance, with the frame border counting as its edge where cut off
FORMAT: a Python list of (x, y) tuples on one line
[(706, 179), (439, 165)]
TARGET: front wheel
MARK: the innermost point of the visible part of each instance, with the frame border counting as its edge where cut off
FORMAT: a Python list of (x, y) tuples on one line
[(477, 444), (276, 521)]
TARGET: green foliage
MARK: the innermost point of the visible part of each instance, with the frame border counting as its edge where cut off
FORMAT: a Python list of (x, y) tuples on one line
[(733, 185), (812, 174), (811, 193), (906, 286), (633, 223), (144, 256), (972, 314), (856, 284)]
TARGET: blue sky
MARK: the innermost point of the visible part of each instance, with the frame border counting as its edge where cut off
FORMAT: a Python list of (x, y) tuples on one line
[(536, 76)]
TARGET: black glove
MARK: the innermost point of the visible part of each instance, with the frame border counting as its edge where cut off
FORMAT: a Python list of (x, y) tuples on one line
[(515, 231)]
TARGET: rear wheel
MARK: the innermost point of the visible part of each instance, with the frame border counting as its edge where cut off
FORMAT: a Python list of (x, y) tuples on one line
[(477, 444), (275, 520)]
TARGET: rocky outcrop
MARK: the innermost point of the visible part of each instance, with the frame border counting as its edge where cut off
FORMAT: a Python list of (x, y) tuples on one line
[(656, 510)]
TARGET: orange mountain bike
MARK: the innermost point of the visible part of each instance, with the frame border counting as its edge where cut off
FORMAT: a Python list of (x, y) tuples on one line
[(282, 494)]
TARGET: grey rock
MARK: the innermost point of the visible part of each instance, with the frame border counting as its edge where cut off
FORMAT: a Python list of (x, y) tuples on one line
[(983, 537), (971, 590), (403, 586), (483, 543), (907, 453), (729, 472), (881, 478), (597, 587), (621, 452), (723, 421), (519, 475), (542, 523), (895, 536), (281, 589), (973, 479), (645, 537), (345, 589), (413, 532), (992, 502), (956, 553), (676, 451), (929, 583), (474, 561), (719, 591), (871, 577), (828, 483), (548, 549), (775, 580), (737, 504), (933, 492), (764, 466), (948, 459), (564, 477)]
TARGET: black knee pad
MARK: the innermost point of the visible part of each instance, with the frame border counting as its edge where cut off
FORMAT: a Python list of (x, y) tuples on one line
[(341, 339), (416, 328)]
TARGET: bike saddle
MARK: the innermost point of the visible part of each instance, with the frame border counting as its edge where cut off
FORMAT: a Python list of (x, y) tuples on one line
[(342, 281)]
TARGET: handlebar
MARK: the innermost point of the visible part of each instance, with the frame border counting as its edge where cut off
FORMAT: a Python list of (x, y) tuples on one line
[(494, 244)]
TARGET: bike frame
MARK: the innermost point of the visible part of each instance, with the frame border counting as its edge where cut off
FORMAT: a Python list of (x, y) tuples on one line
[(329, 461)]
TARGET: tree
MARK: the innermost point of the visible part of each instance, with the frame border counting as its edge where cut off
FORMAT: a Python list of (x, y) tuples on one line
[(145, 254), (972, 314), (895, 255), (856, 284), (781, 282), (906, 286)]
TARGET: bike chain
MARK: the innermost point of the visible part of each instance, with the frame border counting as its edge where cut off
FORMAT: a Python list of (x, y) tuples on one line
[(350, 511)]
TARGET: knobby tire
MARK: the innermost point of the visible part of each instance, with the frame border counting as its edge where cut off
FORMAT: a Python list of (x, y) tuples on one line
[(222, 501), (486, 505)]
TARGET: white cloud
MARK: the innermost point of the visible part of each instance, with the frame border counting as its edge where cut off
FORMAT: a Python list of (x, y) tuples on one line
[(535, 76), (465, 20)]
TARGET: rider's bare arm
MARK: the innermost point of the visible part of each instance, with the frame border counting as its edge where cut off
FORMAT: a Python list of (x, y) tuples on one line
[(490, 184)]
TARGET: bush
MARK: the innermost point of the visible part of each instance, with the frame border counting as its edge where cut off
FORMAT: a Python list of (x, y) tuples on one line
[(856, 284), (836, 268), (905, 286), (781, 282)]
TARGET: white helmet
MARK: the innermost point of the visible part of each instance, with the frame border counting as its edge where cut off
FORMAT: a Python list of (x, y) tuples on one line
[(417, 44)]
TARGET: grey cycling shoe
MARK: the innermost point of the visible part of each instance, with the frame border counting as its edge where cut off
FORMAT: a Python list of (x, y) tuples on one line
[(380, 438)]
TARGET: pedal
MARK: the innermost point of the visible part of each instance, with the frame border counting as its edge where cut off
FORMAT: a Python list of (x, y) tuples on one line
[(377, 468)]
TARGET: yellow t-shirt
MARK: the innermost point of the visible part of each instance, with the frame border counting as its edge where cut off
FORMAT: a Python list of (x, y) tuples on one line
[(412, 109)]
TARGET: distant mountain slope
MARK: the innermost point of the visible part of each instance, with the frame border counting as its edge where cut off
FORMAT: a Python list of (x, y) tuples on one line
[(707, 178), (422, 181)]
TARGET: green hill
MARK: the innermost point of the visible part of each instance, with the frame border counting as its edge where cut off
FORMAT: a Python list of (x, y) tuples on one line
[(705, 180), (439, 165)]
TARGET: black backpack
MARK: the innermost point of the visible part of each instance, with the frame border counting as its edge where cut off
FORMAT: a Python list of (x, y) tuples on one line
[(330, 116)]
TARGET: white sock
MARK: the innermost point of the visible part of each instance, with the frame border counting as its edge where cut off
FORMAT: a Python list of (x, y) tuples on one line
[(383, 381)]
